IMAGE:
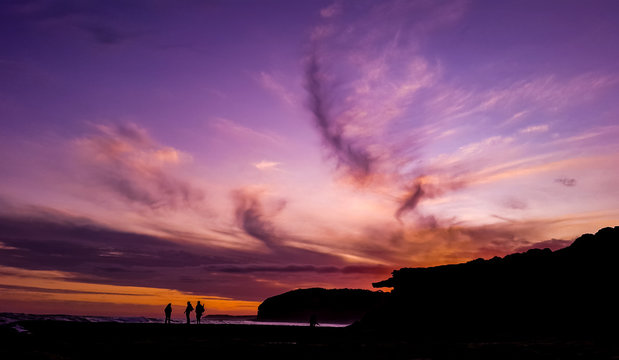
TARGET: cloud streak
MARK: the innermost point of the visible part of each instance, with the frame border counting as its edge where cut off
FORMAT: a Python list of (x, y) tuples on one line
[(569, 182), (270, 83), (251, 218), (98, 19), (360, 269), (125, 160), (245, 133), (350, 156), (267, 165)]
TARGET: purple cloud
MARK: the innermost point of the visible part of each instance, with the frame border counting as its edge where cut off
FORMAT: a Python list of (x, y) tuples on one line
[(125, 160), (359, 269), (350, 155), (569, 182), (251, 218)]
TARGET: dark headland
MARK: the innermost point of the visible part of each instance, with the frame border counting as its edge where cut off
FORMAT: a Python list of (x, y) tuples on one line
[(570, 290), (328, 305), (538, 304)]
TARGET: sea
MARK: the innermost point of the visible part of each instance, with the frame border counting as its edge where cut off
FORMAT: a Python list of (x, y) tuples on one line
[(12, 320)]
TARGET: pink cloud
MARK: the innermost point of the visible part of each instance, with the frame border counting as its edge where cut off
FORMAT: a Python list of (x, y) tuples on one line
[(128, 163), (245, 133), (331, 10), (275, 86)]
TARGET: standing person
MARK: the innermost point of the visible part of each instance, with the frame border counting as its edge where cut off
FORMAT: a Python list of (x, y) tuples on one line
[(199, 311), (168, 313), (188, 311), (313, 320)]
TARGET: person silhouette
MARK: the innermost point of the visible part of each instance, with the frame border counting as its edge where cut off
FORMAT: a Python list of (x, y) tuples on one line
[(188, 311), (168, 313), (199, 312), (313, 320)]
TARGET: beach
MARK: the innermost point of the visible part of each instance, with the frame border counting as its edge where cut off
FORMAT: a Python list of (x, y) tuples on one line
[(50, 339)]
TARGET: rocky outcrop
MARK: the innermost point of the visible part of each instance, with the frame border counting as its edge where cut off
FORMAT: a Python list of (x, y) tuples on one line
[(333, 305), (571, 288)]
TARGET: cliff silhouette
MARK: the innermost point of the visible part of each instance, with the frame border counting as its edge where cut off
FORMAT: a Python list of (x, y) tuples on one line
[(328, 305), (567, 290)]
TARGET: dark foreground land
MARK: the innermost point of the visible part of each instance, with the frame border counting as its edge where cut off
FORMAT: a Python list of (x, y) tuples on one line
[(72, 340)]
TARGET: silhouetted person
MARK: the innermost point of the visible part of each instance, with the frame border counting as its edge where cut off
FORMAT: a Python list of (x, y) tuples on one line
[(199, 312), (188, 311), (313, 320), (168, 313)]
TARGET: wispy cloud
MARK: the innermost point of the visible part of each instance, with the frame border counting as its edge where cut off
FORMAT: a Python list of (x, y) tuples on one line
[(569, 182), (427, 187), (535, 129), (99, 20), (331, 10), (105, 34), (250, 217), (353, 157), (245, 133), (515, 203), (270, 83), (546, 93), (125, 160), (358, 269), (3, 246), (267, 165)]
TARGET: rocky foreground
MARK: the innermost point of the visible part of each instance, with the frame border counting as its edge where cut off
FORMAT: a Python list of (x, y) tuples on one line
[(71, 340)]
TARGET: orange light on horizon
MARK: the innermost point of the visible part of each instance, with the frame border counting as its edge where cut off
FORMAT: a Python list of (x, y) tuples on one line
[(31, 287)]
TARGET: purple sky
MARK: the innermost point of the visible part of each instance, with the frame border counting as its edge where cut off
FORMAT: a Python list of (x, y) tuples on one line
[(233, 150)]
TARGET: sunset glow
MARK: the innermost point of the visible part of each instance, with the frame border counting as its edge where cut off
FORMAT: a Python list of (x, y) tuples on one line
[(228, 151)]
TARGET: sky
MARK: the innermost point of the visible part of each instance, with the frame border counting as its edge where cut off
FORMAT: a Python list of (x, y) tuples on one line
[(228, 151)]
